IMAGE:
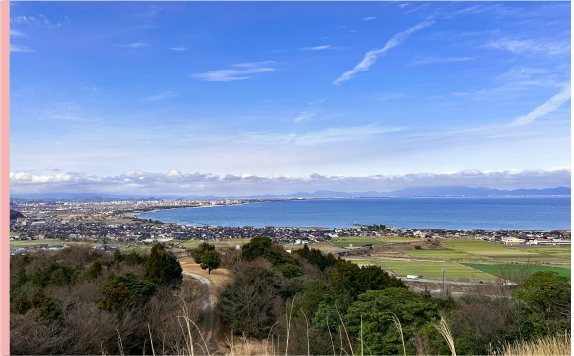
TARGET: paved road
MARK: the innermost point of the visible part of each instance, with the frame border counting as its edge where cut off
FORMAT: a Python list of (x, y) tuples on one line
[(208, 315)]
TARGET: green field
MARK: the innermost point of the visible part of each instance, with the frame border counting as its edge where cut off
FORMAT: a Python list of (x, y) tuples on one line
[(399, 239), (495, 269), (483, 248), (138, 248), (440, 254), (433, 270), (28, 243), (356, 243)]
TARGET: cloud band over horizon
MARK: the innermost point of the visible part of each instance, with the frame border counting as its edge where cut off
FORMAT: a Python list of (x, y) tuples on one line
[(178, 183)]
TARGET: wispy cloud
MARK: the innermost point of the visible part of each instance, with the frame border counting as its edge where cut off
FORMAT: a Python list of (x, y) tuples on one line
[(134, 45), (241, 71), (161, 96), (150, 11), (428, 60), (403, 5), (16, 33), (417, 8), (319, 48), (305, 115), (17, 48), (342, 134), (541, 46), (316, 102), (39, 20), (549, 106), (371, 56), (370, 18), (178, 49), (476, 9)]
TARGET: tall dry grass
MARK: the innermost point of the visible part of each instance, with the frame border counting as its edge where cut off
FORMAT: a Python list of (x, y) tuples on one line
[(549, 345)]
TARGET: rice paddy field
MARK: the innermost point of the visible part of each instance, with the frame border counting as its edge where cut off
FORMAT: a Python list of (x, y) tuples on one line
[(440, 254), (50, 242), (433, 270), (465, 259), (496, 269)]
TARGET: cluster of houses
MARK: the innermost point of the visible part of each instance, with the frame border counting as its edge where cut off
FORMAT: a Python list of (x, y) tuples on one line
[(45, 220)]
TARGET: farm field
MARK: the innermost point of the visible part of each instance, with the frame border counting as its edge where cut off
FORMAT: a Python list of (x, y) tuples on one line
[(433, 270), (483, 248), (361, 262), (495, 269), (28, 243), (441, 254), (138, 248), (399, 239), (534, 258), (357, 243)]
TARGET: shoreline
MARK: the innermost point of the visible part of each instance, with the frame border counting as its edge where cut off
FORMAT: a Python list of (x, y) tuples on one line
[(183, 222)]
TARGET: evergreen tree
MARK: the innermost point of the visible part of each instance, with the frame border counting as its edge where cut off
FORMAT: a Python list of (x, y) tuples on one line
[(162, 267), (38, 298), (21, 278), (21, 304), (96, 269)]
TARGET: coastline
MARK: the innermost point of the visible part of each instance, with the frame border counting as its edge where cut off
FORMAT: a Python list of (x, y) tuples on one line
[(513, 216)]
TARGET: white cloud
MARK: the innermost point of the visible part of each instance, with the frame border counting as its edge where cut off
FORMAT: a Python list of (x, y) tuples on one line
[(39, 20), (429, 60), (178, 49), (417, 8), (150, 11), (371, 18), (541, 46), (371, 56), (16, 33), (176, 182), (304, 116), (161, 96), (17, 48), (341, 134), (244, 71), (318, 48), (403, 5), (134, 45), (549, 106)]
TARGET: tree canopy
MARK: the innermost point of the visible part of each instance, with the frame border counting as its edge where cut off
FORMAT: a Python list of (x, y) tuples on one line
[(162, 267)]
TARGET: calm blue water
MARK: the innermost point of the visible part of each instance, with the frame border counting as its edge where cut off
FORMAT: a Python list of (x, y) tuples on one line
[(544, 213)]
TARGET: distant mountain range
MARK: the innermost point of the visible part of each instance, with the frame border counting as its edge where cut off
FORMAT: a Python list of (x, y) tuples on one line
[(452, 191)]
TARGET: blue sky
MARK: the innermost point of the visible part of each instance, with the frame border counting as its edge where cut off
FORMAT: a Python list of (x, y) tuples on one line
[(190, 97)]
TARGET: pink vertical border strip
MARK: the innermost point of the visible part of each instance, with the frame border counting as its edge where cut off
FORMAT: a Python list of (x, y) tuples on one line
[(4, 177)]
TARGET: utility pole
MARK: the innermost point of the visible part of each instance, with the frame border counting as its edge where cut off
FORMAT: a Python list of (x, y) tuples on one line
[(443, 281)]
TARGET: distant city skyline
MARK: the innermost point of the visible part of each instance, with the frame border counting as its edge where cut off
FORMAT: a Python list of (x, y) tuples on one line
[(278, 97)]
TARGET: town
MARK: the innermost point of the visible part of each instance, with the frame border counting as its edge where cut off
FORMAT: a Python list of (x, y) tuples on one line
[(115, 223)]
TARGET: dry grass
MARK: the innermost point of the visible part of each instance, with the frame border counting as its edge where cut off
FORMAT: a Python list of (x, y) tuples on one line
[(219, 277), (245, 346), (550, 345)]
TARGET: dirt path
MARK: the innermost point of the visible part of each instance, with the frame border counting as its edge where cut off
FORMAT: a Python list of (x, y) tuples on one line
[(208, 315), (215, 281)]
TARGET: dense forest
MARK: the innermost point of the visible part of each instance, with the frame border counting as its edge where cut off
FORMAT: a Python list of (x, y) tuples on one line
[(82, 301)]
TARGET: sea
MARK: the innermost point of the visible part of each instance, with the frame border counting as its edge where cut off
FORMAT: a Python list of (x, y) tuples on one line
[(504, 213)]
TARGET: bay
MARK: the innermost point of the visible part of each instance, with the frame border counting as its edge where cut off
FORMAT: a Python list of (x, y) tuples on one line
[(513, 213)]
